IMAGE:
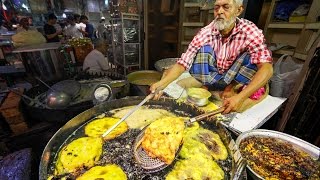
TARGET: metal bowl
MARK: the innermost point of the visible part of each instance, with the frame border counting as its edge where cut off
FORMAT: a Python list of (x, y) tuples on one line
[(165, 64), (312, 150), (196, 99)]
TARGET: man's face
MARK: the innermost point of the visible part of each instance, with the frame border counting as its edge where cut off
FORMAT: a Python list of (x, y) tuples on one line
[(225, 12)]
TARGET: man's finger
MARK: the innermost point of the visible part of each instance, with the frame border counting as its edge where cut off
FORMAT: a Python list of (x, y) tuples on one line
[(225, 102), (158, 95), (227, 110)]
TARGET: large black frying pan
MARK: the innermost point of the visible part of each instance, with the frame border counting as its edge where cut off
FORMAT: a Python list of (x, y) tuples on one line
[(232, 169)]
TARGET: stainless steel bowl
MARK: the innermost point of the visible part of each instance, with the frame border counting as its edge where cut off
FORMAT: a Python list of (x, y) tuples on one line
[(312, 150), (164, 64)]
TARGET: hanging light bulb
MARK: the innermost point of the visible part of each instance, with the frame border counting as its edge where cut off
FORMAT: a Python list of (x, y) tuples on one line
[(64, 15)]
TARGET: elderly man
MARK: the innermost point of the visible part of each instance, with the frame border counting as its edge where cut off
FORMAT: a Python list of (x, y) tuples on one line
[(227, 52), (95, 61)]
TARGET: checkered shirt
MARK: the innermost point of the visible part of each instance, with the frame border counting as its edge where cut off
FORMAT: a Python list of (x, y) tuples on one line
[(245, 37)]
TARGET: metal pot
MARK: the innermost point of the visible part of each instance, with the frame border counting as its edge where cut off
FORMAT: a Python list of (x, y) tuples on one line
[(40, 114), (141, 80), (120, 89), (144, 78), (55, 143)]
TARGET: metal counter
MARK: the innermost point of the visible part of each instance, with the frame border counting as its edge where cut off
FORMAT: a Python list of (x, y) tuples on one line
[(43, 60)]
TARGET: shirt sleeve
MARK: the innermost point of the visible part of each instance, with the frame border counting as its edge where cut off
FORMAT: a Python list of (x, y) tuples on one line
[(257, 48), (198, 41)]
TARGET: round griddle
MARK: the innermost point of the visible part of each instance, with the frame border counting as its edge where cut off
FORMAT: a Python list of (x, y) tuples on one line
[(119, 150)]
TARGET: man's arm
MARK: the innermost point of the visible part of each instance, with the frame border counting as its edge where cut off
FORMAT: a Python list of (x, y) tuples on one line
[(167, 78), (184, 62), (262, 76)]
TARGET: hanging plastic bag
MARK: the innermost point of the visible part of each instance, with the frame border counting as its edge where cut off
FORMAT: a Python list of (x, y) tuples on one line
[(286, 72)]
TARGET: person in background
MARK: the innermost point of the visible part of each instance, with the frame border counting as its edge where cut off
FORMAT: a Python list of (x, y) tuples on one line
[(95, 61), (25, 26), (89, 30), (81, 26), (51, 34), (101, 29), (226, 53), (72, 31)]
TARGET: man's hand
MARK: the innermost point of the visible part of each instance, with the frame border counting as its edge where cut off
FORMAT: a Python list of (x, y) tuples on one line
[(228, 91), (167, 77), (158, 86), (232, 103)]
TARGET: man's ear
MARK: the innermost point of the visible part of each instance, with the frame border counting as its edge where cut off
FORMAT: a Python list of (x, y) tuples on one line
[(239, 10)]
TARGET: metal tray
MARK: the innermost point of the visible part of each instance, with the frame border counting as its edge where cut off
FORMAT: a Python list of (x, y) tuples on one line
[(311, 149)]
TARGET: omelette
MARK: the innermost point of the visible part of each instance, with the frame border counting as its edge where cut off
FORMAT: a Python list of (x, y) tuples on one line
[(80, 153), (163, 137), (111, 171), (97, 127), (141, 117), (196, 158)]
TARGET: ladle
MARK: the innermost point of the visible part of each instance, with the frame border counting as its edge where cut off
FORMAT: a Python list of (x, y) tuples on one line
[(56, 99)]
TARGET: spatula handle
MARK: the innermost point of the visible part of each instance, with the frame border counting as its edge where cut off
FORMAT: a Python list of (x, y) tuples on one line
[(205, 115)]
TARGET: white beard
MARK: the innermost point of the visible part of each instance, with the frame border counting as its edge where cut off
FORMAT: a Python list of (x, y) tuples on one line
[(224, 24)]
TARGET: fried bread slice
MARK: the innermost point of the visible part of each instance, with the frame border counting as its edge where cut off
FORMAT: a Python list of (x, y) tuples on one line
[(163, 137)]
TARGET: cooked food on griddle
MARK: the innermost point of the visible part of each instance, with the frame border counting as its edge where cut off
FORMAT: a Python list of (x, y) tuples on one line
[(142, 117), (196, 157), (274, 158), (163, 137), (108, 172), (214, 144), (97, 127), (80, 153)]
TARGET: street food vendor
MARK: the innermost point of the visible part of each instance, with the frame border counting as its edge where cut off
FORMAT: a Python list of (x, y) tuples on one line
[(227, 52), (51, 34), (95, 61)]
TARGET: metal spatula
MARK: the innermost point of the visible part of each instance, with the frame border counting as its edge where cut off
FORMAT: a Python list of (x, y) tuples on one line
[(155, 164), (150, 96)]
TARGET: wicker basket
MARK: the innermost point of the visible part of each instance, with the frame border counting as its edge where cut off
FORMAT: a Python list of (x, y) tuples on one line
[(82, 51)]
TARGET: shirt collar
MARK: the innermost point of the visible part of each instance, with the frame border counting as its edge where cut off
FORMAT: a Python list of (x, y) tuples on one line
[(235, 29)]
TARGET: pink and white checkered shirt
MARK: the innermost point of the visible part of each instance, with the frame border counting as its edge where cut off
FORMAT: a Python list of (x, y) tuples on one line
[(245, 37)]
